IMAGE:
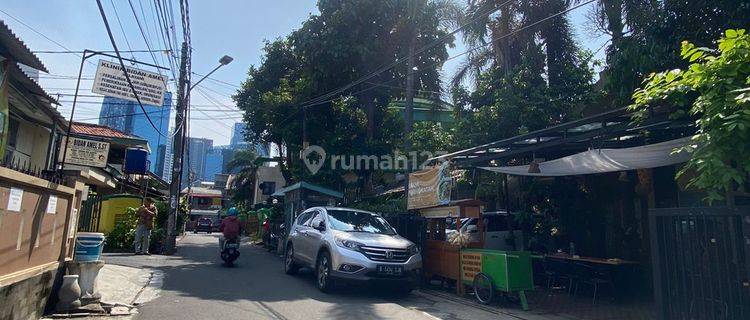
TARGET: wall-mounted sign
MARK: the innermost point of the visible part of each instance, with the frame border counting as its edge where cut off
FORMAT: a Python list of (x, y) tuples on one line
[(471, 264), (110, 81), (429, 188), (15, 197), (52, 204), (86, 152)]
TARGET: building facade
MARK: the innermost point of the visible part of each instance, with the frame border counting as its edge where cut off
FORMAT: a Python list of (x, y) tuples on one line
[(194, 160), (126, 116)]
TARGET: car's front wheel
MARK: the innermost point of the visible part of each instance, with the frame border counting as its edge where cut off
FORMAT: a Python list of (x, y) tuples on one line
[(323, 271), (289, 266)]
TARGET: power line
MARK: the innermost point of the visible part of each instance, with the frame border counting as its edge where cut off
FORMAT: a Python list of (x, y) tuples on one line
[(122, 64), (117, 16), (103, 51), (404, 58), (43, 35)]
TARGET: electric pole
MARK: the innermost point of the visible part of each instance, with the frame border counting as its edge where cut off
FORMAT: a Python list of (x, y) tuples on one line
[(409, 103), (177, 153)]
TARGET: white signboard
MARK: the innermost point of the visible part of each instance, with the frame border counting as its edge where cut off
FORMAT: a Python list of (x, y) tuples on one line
[(86, 152), (14, 199), (52, 204), (110, 81), (73, 224)]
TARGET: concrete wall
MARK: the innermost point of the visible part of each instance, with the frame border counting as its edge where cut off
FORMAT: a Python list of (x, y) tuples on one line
[(34, 242), (27, 299)]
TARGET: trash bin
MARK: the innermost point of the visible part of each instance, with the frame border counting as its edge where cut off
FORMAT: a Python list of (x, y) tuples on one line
[(89, 246)]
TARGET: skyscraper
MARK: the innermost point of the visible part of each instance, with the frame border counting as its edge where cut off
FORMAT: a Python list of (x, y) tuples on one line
[(238, 140), (126, 116), (238, 135), (194, 160)]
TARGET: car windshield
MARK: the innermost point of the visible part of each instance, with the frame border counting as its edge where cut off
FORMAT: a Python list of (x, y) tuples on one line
[(356, 221)]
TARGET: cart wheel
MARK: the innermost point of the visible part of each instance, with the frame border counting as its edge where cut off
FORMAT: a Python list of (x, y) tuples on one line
[(484, 290)]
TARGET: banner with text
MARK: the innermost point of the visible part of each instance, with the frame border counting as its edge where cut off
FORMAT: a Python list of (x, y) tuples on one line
[(110, 81), (86, 152), (429, 188)]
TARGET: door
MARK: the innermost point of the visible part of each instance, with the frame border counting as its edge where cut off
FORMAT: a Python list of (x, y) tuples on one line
[(306, 242), (315, 236), (297, 235)]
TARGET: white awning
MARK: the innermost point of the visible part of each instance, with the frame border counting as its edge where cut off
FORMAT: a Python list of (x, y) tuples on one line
[(606, 160)]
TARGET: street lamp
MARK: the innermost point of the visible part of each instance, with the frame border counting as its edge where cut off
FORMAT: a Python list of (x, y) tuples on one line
[(225, 60), (179, 151)]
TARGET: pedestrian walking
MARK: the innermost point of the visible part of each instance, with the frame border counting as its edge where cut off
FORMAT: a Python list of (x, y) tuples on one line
[(146, 214)]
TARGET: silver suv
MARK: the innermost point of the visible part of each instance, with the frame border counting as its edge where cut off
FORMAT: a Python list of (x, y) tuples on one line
[(343, 244)]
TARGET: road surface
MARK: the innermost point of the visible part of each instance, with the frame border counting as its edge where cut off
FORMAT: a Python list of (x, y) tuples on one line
[(197, 286)]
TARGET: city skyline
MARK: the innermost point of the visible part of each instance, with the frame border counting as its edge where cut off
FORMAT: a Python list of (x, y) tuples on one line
[(127, 116)]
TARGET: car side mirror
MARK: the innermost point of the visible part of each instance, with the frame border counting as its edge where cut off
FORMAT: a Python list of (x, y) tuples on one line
[(321, 226)]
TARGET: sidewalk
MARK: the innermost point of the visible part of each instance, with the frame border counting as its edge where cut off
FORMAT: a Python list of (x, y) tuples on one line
[(123, 287)]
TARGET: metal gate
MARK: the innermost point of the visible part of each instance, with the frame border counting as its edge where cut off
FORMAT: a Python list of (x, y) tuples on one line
[(91, 211), (700, 262)]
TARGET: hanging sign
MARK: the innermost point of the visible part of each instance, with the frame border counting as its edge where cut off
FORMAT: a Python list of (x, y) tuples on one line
[(110, 81), (429, 188), (86, 152)]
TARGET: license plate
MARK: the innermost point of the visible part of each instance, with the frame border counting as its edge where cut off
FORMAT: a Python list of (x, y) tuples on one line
[(390, 270), (232, 245)]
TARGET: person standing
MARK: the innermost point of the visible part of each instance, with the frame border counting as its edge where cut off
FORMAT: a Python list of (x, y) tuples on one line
[(146, 214)]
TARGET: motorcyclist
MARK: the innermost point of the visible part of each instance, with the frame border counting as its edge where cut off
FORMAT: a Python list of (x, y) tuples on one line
[(230, 227)]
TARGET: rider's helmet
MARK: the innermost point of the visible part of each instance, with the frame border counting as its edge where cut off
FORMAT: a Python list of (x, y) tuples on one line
[(232, 211)]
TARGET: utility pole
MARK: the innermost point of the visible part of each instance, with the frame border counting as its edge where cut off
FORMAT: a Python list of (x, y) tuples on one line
[(409, 106), (177, 150)]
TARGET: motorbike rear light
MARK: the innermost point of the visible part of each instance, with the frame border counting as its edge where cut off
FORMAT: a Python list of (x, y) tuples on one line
[(349, 267)]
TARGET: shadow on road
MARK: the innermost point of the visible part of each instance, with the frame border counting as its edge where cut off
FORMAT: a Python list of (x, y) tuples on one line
[(196, 276)]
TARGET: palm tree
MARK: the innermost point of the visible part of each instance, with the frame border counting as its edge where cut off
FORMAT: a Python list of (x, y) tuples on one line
[(245, 164)]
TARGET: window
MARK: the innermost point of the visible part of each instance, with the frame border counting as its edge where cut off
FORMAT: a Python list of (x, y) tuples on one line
[(302, 219), (497, 223), (268, 188), (316, 220), (356, 221)]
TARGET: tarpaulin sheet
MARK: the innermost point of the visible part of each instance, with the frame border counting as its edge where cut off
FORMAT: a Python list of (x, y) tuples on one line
[(606, 160)]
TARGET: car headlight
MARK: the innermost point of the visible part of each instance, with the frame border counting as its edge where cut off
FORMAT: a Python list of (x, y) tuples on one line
[(348, 244), (413, 249)]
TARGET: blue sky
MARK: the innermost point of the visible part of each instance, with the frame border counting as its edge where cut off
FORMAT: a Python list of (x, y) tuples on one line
[(233, 27)]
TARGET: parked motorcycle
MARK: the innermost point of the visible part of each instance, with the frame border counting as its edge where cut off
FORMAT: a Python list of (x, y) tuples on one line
[(230, 251)]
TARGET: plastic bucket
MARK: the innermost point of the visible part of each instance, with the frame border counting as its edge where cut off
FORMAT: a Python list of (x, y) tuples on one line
[(89, 246)]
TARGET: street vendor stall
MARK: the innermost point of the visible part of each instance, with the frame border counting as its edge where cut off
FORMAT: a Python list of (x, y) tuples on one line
[(490, 271), (441, 251), (429, 192)]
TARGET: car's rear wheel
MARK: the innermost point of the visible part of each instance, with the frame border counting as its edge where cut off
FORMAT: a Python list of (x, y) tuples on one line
[(290, 267), (323, 272)]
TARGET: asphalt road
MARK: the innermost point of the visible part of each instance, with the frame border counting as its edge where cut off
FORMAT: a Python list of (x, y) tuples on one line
[(197, 286)]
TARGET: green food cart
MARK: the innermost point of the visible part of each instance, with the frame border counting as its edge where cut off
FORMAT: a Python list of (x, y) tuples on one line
[(490, 271)]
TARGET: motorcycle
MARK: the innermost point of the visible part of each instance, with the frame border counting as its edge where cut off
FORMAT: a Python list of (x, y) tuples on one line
[(230, 251), (271, 240)]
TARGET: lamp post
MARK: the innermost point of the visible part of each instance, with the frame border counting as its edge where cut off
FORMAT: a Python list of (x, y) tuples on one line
[(178, 149)]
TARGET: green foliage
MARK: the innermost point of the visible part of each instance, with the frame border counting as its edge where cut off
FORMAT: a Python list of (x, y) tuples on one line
[(716, 87), (652, 27), (382, 205), (245, 163), (122, 236), (347, 40)]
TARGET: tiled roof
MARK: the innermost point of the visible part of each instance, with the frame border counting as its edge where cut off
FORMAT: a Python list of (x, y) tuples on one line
[(96, 130), (11, 45)]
